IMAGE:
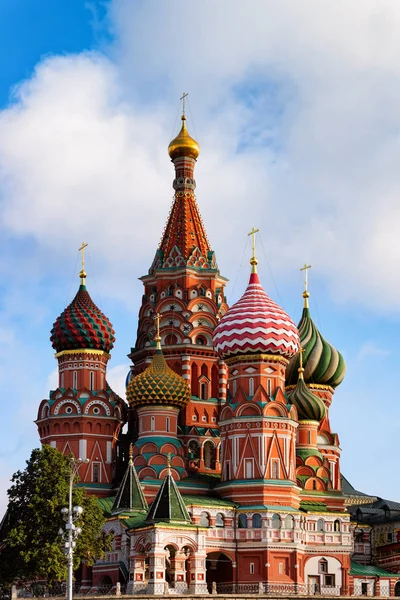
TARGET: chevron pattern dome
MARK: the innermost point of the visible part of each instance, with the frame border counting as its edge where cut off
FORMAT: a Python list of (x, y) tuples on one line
[(158, 384), (255, 324), (82, 325), (323, 364), (309, 406)]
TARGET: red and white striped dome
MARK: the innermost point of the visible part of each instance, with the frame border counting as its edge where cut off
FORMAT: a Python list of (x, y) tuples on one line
[(255, 324)]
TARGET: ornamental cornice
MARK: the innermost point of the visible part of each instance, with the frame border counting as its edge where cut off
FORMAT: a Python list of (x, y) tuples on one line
[(82, 351), (251, 358)]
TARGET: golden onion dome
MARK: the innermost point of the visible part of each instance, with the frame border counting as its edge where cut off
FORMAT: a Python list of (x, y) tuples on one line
[(158, 384), (183, 144)]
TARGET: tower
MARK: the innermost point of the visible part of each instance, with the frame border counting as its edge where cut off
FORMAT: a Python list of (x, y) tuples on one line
[(324, 370), (185, 287), (83, 416), (257, 338)]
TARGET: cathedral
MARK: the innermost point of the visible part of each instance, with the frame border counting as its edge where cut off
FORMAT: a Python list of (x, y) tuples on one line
[(220, 472)]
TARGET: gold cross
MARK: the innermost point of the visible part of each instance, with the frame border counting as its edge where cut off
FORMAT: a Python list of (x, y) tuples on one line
[(305, 269), (183, 98), (82, 249), (253, 260)]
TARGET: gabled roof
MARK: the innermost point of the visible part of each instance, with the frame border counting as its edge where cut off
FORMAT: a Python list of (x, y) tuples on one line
[(168, 505), (130, 497)]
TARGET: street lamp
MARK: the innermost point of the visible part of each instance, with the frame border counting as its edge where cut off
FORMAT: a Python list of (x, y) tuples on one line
[(70, 515)]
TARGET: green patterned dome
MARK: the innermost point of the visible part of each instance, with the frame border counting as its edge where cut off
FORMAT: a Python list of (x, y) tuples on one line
[(158, 384), (309, 406), (323, 364)]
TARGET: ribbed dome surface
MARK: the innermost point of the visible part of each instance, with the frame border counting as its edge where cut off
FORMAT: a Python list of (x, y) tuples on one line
[(183, 144), (309, 406), (158, 384), (82, 325), (322, 363), (255, 324)]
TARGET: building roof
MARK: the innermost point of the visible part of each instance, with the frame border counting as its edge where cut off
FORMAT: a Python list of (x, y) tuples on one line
[(168, 505), (368, 570), (130, 496)]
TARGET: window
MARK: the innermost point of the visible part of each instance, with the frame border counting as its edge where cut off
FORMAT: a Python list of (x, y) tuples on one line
[(227, 470), (289, 522), (242, 521), (234, 387), (92, 380), (269, 387), (336, 525), (204, 520), (153, 424), (248, 468), (96, 473), (309, 437), (256, 521), (364, 589), (320, 525), (219, 520), (62, 380), (251, 386), (275, 469), (276, 521), (203, 392), (280, 568), (323, 566), (251, 568), (140, 424), (329, 580), (167, 424), (75, 380)]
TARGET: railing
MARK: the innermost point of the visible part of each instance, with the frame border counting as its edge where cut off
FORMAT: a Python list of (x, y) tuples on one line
[(286, 589)]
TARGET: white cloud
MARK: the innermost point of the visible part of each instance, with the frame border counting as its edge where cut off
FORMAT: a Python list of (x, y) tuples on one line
[(371, 349), (116, 377)]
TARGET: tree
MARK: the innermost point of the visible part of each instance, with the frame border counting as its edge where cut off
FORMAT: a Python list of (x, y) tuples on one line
[(30, 547)]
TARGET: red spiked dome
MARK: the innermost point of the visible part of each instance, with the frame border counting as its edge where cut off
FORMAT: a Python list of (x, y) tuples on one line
[(255, 324), (82, 325)]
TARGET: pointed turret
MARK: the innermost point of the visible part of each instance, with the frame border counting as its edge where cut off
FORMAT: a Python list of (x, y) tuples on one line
[(130, 497), (168, 505)]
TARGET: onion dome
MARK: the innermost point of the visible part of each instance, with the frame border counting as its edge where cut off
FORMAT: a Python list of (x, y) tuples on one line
[(183, 144), (309, 406), (255, 324), (323, 364), (82, 325), (158, 384)]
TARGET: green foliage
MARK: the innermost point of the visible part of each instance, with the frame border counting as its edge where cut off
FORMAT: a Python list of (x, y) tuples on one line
[(30, 545)]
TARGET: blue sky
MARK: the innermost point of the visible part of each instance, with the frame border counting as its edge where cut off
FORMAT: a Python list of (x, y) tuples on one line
[(296, 111)]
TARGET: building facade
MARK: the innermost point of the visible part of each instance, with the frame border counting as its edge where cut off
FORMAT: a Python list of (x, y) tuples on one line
[(228, 477)]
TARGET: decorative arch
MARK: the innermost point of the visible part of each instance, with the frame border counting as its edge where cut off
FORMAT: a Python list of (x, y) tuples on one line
[(248, 410), (45, 411), (67, 401), (147, 472), (99, 403), (275, 409), (226, 413)]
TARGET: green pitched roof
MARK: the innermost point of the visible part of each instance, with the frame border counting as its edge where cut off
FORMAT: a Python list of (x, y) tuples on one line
[(168, 505), (371, 570), (130, 497)]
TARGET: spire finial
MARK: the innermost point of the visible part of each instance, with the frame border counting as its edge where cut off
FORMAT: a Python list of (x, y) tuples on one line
[(306, 293), (157, 338), (169, 462), (253, 260), (183, 98), (301, 368), (82, 274), (130, 453)]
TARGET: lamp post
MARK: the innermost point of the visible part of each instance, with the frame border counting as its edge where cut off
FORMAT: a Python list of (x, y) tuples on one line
[(70, 515)]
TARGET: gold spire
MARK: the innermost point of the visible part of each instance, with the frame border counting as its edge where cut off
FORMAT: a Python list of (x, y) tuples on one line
[(169, 462), (157, 338), (253, 260), (183, 144), (82, 274), (301, 369), (306, 293), (130, 453)]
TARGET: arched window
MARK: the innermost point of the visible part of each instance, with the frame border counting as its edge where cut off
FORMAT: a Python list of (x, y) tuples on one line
[(251, 386), (275, 469), (209, 455), (269, 387), (140, 424), (204, 520), (323, 566), (336, 525), (62, 380), (153, 424), (242, 521), (320, 525), (289, 522), (201, 340), (203, 391), (219, 520), (194, 449), (234, 387), (92, 380), (167, 424), (75, 380), (256, 521), (276, 521)]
